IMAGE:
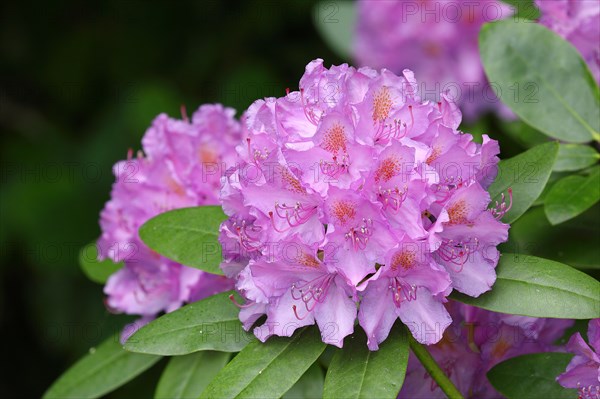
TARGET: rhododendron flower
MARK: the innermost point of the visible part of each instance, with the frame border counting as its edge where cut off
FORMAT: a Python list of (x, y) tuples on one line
[(352, 193), (583, 372), (579, 23), (180, 167), (476, 341), (438, 39)]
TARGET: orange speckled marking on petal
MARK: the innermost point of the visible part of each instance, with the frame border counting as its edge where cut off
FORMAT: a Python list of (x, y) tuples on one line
[(207, 155), (434, 154), (404, 259), (175, 187), (382, 104), (344, 211), (334, 139), (458, 212), (500, 348), (388, 168), (291, 182), (308, 260)]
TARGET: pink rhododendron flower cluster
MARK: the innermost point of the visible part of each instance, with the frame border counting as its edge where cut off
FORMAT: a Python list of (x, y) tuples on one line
[(476, 341), (583, 372), (437, 38), (355, 199), (180, 167), (579, 23)]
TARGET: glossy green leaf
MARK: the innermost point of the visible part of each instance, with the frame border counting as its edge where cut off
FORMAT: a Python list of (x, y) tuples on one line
[(357, 372), (533, 235), (104, 369), (209, 324), (96, 270), (572, 196), (336, 21), (527, 174), (542, 78), (536, 287), (524, 9), (188, 236), (309, 386), (187, 376), (532, 376), (572, 157), (267, 370)]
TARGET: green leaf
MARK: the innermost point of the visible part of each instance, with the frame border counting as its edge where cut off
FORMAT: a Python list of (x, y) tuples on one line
[(267, 370), (527, 174), (523, 134), (104, 369), (572, 157), (188, 236), (187, 376), (336, 21), (209, 324), (96, 270), (536, 287), (309, 386), (357, 372), (524, 9), (533, 235), (532, 376), (572, 196), (542, 78)]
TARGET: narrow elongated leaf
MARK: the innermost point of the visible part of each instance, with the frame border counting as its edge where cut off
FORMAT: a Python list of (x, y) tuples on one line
[(96, 270), (188, 236), (542, 78), (536, 287), (572, 196), (526, 174), (336, 21), (267, 370), (104, 369), (532, 376), (572, 157), (309, 386), (187, 376), (357, 372), (209, 324)]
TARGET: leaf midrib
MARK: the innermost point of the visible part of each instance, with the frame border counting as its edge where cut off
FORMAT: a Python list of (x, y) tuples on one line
[(283, 349), (188, 327), (90, 372), (548, 286), (586, 181), (543, 80)]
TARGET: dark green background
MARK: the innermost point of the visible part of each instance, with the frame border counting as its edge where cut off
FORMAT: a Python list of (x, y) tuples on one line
[(79, 84)]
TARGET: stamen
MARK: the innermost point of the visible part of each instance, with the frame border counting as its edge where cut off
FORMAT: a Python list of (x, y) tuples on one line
[(184, 113), (294, 215), (250, 244), (239, 305), (296, 313), (311, 292), (392, 197), (359, 237), (457, 252), (336, 168), (500, 209), (308, 112), (401, 291)]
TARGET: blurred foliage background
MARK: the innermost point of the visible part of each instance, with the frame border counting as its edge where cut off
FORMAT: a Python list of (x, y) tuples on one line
[(79, 84)]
